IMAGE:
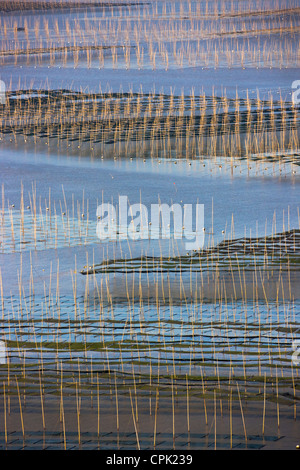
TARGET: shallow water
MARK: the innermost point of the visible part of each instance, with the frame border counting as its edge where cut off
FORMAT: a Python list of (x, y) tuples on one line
[(193, 127)]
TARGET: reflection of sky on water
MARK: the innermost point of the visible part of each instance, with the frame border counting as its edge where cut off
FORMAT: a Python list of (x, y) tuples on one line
[(238, 200), (3, 353), (187, 334)]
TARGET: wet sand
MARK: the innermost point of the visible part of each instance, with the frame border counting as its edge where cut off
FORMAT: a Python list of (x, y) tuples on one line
[(127, 343), (226, 432)]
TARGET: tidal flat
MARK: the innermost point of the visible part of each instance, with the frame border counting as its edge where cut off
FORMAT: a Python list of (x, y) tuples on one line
[(135, 341)]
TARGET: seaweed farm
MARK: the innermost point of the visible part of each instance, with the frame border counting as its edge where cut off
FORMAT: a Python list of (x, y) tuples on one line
[(128, 334)]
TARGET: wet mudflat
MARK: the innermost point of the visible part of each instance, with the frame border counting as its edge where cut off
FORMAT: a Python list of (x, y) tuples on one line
[(135, 342)]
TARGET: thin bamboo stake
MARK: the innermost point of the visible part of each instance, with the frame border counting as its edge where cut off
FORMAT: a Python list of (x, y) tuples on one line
[(134, 422), (20, 405)]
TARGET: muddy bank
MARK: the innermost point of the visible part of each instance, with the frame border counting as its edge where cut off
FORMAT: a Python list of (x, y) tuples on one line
[(147, 423)]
